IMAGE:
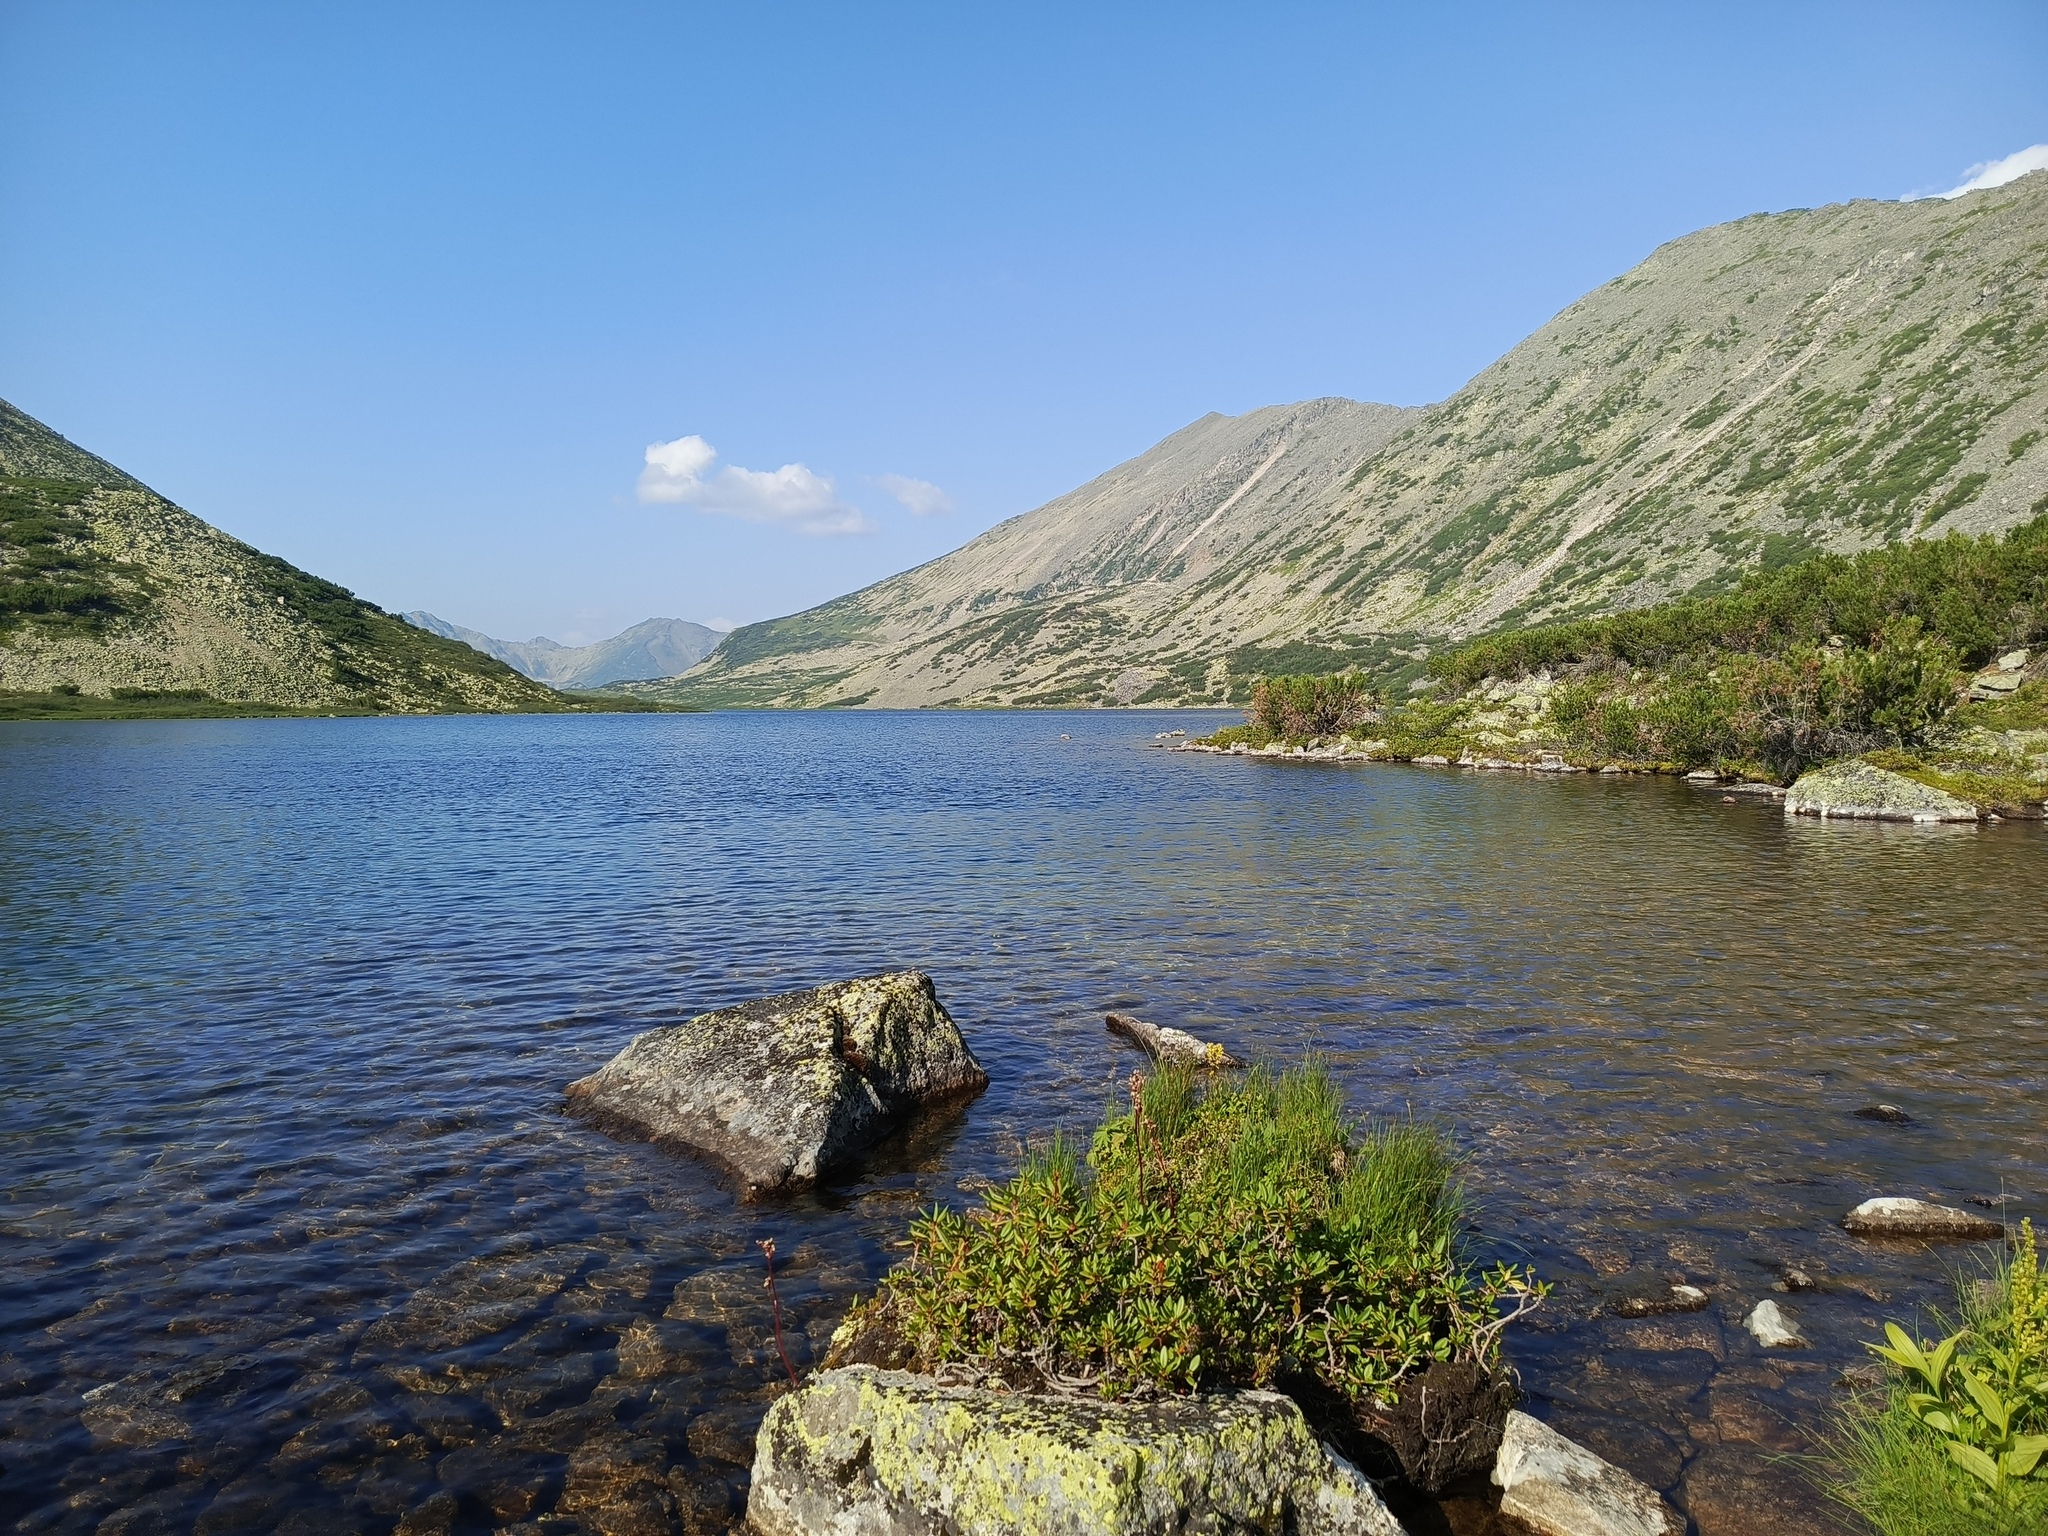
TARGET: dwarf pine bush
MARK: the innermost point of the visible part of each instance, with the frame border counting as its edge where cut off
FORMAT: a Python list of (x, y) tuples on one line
[(1220, 1233)]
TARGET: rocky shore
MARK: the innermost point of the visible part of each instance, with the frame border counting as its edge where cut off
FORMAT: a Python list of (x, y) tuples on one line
[(1968, 772)]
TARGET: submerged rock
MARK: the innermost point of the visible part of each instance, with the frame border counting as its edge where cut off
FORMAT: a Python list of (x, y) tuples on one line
[(1640, 1294), (1862, 791), (1559, 1488), (1165, 1043), (782, 1088), (1890, 1114), (1895, 1216), (863, 1450)]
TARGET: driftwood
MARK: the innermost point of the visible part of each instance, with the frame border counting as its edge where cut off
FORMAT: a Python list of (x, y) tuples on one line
[(1169, 1044)]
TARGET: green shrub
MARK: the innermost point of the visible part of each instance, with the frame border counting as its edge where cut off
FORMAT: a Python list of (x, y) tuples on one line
[(1302, 708), (1425, 726), (1976, 596), (1959, 1441), (1229, 1233)]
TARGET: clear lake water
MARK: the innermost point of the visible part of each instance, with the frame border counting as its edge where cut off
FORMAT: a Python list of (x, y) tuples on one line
[(298, 1238)]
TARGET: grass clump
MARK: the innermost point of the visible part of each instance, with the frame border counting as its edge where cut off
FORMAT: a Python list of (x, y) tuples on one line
[(1957, 1444), (1220, 1233), (2025, 709)]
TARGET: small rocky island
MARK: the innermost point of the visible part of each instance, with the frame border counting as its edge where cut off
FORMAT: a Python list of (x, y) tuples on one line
[(1234, 1310)]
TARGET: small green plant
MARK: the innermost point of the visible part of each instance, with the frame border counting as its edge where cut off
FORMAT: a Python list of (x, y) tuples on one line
[(1219, 1233), (1959, 1442)]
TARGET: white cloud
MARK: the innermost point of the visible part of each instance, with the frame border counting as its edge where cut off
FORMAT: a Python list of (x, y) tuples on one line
[(1996, 173), (921, 497), (792, 495)]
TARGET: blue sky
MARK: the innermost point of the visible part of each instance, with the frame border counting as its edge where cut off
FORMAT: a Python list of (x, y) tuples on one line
[(404, 293)]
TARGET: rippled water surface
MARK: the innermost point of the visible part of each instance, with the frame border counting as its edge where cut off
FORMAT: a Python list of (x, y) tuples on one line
[(297, 1238)]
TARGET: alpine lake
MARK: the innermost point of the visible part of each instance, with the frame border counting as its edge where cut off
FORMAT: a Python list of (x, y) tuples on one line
[(298, 1237)]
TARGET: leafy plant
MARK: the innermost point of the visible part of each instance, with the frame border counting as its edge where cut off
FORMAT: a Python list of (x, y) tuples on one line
[(1219, 1233), (1977, 1400)]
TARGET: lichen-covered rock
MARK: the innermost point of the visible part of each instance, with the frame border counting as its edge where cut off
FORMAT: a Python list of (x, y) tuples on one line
[(1863, 791), (863, 1452), (782, 1088), (1898, 1216), (1559, 1488)]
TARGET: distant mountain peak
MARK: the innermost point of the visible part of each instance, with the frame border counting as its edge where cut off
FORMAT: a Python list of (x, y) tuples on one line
[(651, 649)]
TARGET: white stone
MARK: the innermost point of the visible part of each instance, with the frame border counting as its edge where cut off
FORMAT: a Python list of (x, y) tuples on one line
[(1898, 1216), (1560, 1488), (1772, 1328)]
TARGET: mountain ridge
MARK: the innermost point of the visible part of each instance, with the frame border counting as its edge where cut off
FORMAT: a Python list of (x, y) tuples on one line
[(651, 649), (1824, 379), (107, 588)]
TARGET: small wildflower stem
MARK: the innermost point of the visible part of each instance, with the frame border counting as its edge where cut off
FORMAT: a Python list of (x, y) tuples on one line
[(767, 1247)]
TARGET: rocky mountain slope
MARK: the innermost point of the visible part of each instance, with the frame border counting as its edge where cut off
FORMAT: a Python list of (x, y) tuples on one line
[(106, 586), (654, 648), (1826, 379)]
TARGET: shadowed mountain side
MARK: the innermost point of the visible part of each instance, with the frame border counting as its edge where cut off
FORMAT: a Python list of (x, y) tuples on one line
[(654, 648), (106, 586), (1826, 379)]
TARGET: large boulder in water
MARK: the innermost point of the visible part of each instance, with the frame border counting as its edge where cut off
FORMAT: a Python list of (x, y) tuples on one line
[(1556, 1487), (863, 1450), (782, 1088), (1860, 791)]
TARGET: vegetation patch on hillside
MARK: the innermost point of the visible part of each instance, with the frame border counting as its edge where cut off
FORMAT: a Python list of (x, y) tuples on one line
[(139, 704), (1833, 657), (51, 574)]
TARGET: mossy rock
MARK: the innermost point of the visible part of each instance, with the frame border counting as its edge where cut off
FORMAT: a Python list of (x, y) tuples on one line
[(862, 1449)]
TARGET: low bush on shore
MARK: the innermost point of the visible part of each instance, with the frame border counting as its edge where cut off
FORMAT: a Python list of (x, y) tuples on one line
[(1957, 1443), (1825, 659), (1299, 708), (1220, 1233)]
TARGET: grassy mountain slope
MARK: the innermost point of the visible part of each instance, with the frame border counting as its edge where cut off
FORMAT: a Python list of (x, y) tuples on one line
[(1043, 608), (106, 587), (1822, 380)]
